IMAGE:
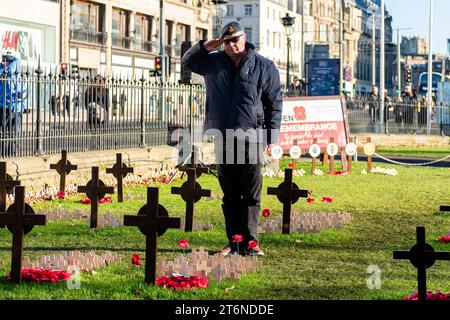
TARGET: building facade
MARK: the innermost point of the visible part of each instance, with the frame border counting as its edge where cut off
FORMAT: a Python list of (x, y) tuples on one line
[(413, 46), (121, 37), (108, 37), (367, 71), (31, 29)]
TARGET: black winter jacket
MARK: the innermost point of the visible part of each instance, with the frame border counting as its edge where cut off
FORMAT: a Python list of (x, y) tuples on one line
[(247, 97)]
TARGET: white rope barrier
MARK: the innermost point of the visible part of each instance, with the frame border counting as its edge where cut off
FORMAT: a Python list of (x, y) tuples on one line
[(408, 164)]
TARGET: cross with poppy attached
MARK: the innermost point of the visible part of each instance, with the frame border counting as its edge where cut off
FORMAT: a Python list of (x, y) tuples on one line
[(152, 220), (95, 190), (120, 170), (422, 256), (191, 192), (287, 193), (6, 185), (20, 220), (63, 167)]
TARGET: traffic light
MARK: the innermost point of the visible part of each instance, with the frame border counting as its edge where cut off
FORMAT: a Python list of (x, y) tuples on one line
[(158, 66), (408, 75)]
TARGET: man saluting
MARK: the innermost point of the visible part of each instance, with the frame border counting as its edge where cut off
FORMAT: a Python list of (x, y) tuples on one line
[(243, 95)]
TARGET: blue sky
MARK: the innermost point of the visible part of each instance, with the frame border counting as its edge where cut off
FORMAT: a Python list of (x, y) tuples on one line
[(414, 14)]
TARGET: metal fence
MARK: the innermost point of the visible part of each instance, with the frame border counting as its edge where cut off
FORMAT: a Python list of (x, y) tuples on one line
[(399, 117), (46, 113), (43, 113)]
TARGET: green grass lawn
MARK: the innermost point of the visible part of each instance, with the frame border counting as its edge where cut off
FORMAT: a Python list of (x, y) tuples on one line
[(327, 265), (415, 152)]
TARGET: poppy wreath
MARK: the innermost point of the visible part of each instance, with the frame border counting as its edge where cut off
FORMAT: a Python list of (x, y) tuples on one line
[(438, 295), (180, 282), (43, 275)]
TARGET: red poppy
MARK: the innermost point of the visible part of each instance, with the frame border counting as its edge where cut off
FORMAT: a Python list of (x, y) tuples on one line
[(327, 199), (299, 113), (86, 201), (438, 295), (183, 243), (310, 192), (60, 194), (105, 200), (252, 244), (292, 165), (238, 238), (444, 239), (311, 200), (42, 275), (136, 260), (266, 213), (180, 282)]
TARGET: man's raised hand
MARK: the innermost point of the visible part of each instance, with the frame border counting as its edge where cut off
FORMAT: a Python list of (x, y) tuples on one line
[(213, 44)]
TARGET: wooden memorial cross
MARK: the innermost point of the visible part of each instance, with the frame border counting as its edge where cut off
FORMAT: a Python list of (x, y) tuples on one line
[(198, 169), (95, 190), (153, 221), (20, 220), (119, 171), (422, 256), (63, 167), (288, 193), (191, 192), (6, 186)]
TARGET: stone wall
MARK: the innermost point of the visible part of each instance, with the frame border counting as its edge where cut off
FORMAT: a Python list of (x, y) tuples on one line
[(35, 172)]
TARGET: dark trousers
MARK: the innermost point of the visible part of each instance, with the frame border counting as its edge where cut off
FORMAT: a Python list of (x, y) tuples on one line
[(241, 185)]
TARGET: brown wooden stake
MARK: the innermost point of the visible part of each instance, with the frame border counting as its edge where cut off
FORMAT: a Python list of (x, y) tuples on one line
[(349, 160), (95, 190), (120, 170), (331, 168), (63, 167), (191, 192), (325, 158), (369, 158), (293, 162), (6, 183), (20, 220), (152, 220), (288, 193)]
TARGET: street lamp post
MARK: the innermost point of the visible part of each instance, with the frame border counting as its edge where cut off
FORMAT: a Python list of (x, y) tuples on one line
[(302, 43), (430, 69), (288, 22), (382, 65), (341, 46), (220, 12)]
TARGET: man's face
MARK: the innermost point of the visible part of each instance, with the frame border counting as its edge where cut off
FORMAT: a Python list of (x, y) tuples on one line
[(234, 46)]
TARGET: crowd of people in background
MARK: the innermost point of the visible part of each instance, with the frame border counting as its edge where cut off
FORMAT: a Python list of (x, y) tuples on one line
[(409, 108)]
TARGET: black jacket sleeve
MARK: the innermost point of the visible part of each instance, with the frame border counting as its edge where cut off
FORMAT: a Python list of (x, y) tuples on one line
[(273, 103), (197, 59)]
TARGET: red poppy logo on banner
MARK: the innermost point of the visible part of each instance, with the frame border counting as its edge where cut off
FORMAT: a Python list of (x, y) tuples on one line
[(300, 113)]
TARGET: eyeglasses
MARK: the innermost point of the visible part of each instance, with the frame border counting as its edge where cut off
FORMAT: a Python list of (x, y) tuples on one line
[(234, 40)]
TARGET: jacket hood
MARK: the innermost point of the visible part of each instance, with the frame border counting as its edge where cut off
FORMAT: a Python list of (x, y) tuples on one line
[(12, 66)]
